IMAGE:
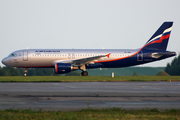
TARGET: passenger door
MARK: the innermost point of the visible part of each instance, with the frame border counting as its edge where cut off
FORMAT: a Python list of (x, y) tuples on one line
[(25, 55)]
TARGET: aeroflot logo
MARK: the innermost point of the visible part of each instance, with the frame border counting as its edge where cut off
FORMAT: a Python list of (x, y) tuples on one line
[(47, 51), (38, 52)]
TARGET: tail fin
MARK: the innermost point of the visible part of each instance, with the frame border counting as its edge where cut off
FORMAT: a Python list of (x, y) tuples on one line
[(160, 38)]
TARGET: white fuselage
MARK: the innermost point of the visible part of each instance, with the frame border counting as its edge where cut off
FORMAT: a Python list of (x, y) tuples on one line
[(48, 57)]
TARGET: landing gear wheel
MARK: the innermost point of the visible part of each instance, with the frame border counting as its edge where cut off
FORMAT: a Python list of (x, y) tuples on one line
[(25, 72), (84, 73)]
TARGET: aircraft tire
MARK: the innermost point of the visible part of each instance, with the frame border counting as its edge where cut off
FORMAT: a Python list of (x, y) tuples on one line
[(25, 74), (84, 73)]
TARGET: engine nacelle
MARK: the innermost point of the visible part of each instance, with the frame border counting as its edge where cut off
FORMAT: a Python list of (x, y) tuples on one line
[(61, 68)]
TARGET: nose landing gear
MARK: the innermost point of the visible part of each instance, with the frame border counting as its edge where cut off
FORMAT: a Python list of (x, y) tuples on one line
[(25, 72)]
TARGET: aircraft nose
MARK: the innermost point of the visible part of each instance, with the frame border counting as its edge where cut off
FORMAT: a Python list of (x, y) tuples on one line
[(4, 61)]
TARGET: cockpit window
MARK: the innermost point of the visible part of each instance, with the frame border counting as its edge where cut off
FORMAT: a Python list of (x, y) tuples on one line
[(12, 55)]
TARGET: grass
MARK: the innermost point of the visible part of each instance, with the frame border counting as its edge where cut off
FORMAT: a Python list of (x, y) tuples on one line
[(86, 78), (91, 114)]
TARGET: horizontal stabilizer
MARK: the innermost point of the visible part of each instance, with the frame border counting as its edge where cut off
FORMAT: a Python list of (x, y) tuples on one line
[(162, 54)]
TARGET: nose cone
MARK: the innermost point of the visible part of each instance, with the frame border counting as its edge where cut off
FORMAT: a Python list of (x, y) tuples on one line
[(4, 61)]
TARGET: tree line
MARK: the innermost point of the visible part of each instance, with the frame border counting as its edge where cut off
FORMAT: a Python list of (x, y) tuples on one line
[(173, 68), (11, 71)]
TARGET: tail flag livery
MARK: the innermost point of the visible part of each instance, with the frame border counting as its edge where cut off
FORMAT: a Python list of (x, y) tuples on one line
[(160, 38)]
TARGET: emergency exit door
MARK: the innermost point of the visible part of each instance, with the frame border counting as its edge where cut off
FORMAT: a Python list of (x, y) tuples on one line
[(140, 56)]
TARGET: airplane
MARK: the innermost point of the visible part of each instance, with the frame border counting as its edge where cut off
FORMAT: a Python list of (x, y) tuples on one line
[(67, 60)]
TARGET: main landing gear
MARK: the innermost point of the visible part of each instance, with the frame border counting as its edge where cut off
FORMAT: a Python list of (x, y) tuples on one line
[(25, 72), (84, 72)]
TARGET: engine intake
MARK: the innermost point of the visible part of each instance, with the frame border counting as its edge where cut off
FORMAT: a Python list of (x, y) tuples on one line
[(61, 68)]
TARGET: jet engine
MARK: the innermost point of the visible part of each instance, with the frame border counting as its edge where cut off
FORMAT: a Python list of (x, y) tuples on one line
[(61, 68)]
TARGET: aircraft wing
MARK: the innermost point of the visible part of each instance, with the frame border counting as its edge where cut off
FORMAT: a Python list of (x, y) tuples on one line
[(87, 60), (82, 61)]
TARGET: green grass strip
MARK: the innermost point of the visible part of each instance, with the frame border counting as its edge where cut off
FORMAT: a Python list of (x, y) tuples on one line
[(91, 114), (86, 78)]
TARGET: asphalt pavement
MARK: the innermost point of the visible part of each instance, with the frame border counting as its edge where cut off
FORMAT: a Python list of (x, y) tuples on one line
[(80, 95)]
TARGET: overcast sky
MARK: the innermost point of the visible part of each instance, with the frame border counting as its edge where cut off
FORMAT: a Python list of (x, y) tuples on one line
[(81, 24)]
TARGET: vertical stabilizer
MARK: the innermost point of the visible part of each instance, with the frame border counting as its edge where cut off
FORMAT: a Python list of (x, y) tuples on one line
[(160, 38)]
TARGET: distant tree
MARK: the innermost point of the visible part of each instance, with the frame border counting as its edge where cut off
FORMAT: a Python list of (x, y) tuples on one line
[(40, 72), (135, 74), (20, 71), (73, 73), (1, 72), (11, 71), (162, 73), (32, 72), (8, 71), (173, 68)]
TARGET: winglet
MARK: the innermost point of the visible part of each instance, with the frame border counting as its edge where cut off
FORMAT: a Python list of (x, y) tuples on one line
[(108, 55)]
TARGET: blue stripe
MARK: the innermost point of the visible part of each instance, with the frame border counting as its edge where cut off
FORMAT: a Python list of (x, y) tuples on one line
[(167, 33), (161, 29), (161, 36)]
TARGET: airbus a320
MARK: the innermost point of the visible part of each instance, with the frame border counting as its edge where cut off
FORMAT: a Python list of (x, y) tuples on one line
[(67, 60)]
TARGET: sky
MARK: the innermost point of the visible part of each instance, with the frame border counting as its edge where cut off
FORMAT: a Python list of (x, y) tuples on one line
[(85, 24)]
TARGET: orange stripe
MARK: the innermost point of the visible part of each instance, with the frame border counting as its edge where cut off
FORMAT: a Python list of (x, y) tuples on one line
[(119, 58), (113, 59)]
